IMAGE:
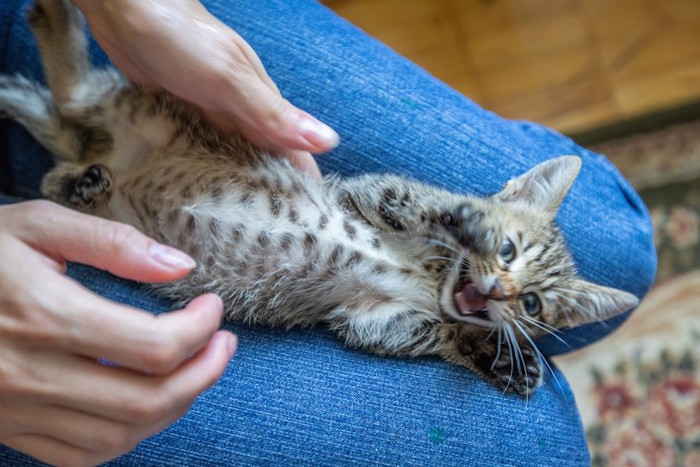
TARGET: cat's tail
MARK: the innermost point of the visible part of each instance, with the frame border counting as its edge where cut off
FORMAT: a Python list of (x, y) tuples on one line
[(31, 105)]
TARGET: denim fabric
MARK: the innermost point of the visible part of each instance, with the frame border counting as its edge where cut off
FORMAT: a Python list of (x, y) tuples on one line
[(300, 396)]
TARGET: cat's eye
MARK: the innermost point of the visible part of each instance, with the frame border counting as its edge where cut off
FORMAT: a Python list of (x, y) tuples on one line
[(531, 303), (507, 252)]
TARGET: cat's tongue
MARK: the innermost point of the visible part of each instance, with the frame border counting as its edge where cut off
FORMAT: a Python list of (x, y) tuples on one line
[(470, 300)]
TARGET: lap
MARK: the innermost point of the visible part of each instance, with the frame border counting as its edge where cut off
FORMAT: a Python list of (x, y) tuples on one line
[(300, 395)]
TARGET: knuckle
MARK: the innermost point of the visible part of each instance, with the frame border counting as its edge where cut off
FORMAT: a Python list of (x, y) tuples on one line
[(119, 236), (150, 409), (162, 356), (277, 113), (32, 211), (29, 318)]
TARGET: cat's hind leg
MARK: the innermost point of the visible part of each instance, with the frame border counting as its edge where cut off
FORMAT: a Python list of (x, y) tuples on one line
[(31, 105), (74, 105), (77, 89), (70, 183), (58, 29), (81, 188), (60, 117)]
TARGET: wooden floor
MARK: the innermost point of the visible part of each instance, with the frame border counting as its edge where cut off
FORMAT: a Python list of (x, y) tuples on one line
[(571, 64)]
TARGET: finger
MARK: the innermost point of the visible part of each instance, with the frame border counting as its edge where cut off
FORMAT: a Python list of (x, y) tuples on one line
[(65, 234), (254, 98), (266, 113), (281, 122), (130, 337), (134, 398), (305, 162), (73, 427), (54, 311), (84, 430), (253, 59), (52, 451)]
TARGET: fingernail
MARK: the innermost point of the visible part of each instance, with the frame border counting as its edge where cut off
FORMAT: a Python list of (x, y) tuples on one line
[(170, 257), (317, 133)]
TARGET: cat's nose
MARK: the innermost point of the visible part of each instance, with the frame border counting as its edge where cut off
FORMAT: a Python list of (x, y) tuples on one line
[(496, 292)]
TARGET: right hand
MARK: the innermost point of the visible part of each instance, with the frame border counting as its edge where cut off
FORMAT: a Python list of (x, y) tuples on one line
[(57, 402)]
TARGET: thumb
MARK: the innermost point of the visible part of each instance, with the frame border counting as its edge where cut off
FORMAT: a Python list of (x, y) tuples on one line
[(288, 126), (66, 235), (263, 115), (269, 120)]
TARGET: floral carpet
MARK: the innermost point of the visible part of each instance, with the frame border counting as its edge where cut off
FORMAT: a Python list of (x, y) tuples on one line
[(638, 390)]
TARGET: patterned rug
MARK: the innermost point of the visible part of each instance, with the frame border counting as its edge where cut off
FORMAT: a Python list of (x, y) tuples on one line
[(639, 390)]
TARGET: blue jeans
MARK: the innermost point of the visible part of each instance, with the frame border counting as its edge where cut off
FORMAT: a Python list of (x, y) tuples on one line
[(300, 396)]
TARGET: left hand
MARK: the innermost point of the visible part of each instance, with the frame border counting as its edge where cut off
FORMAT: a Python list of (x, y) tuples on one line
[(179, 46)]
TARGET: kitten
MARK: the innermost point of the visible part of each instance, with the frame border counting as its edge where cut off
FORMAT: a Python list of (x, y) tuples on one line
[(393, 266)]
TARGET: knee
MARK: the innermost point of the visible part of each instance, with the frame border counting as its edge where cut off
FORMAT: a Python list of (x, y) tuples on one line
[(615, 244)]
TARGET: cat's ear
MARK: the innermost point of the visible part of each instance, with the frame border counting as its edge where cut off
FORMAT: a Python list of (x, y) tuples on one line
[(592, 303), (544, 186)]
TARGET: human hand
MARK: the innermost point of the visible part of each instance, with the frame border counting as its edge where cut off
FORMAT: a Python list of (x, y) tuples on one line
[(210, 66), (57, 403)]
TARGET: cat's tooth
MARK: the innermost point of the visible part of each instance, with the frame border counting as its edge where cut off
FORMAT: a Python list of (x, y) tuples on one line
[(462, 305)]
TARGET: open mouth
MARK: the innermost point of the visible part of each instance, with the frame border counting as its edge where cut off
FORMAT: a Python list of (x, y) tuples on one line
[(469, 301)]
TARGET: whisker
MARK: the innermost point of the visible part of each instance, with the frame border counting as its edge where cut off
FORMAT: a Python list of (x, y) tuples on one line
[(521, 360), (498, 351), (541, 324), (544, 326), (575, 306), (437, 257), (541, 356), (493, 329), (516, 348), (510, 347), (519, 357)]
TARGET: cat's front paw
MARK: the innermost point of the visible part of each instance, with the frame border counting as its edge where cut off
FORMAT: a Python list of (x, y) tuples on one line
[(520, 374), (77, 187), (518, 370), (475, 229)]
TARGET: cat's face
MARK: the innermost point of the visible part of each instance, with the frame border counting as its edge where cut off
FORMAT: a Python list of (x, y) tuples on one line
[(525, 281)]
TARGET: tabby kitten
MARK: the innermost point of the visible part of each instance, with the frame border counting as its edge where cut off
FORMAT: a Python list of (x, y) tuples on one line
[(391, 265)]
